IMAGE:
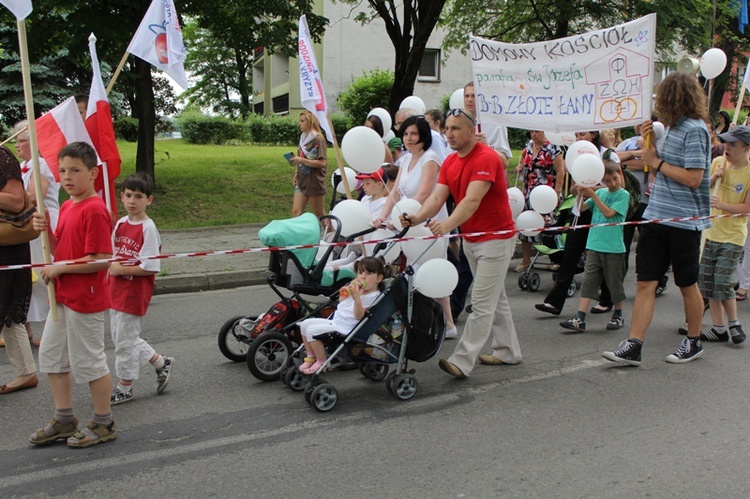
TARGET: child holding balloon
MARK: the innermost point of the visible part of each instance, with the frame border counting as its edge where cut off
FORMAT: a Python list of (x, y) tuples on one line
[(606, 249)]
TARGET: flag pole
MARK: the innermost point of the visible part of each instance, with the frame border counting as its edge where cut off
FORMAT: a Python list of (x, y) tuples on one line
[(739, 104), (117, 71), (107, 193), (35, 174), (339, 158), (13, 136)]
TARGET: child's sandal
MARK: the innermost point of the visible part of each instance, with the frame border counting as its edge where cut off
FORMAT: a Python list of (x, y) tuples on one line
[(306, 365), (314, 367)]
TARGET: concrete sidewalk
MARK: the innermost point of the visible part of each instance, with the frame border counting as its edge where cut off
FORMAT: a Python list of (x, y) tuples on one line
[(183, 275)]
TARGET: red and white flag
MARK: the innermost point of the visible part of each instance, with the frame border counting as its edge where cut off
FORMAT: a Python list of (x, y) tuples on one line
[(58, 128), (102, 132), (158, 41), (20, 8), (310, 84)]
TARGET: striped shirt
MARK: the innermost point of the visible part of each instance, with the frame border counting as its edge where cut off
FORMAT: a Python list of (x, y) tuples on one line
[(686, 145)]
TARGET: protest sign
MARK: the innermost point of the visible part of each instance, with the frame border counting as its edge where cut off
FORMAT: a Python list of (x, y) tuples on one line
[(600, 79)]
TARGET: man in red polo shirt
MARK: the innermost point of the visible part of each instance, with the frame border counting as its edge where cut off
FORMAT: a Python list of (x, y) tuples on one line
[(475, 176)]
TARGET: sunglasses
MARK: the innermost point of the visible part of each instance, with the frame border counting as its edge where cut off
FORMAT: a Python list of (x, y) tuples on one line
[(458, 112)]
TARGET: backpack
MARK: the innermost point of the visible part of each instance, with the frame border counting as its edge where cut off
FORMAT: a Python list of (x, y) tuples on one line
[(426, 330), (279, 315), (634, 189)]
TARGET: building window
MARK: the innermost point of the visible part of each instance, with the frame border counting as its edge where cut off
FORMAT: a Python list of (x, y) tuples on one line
[(429, 69)]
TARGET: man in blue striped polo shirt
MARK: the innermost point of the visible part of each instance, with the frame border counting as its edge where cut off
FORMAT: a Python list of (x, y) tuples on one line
[(681, 189)]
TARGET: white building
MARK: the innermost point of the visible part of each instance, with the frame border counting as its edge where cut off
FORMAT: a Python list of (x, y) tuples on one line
[(345, 52)]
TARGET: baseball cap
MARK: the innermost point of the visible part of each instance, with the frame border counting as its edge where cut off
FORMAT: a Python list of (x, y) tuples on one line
[(394, 143), (736, 133), (378, 175)]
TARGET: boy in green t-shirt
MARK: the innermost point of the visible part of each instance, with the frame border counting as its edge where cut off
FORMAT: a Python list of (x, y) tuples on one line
[(605, 245), (730, 178)]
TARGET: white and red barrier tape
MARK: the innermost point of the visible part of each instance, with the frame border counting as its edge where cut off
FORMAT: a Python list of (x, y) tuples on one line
[(166, 256)]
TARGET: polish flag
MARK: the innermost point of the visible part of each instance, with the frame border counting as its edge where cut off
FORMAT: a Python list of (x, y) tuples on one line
[(102, 132), (58, 128), (20, 8)]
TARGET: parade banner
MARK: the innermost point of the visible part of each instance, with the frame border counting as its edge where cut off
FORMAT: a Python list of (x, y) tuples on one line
[(310, 85), (600, 79), (20, 8)]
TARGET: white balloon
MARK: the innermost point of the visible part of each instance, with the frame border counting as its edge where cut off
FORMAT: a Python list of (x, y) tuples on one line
[(560, 138), (588, 170), (457, 99), (415, 103), (351, 178), (712, 63), (385, 118), (414, 249), (389, 136), (578, 148), (543, 199), (355, 216), (363, 149), (530, 223), (408, 206), (658, 128), (516, 201), (436, 278)]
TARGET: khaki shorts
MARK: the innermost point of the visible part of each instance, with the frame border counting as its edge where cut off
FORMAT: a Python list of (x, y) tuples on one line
[(74, 343)]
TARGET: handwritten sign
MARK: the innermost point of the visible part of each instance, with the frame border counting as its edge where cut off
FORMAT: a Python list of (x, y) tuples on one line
[(600, 79)]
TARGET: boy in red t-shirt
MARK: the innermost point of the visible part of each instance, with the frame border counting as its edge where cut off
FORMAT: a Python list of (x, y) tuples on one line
[(73, 346), (131, 286)]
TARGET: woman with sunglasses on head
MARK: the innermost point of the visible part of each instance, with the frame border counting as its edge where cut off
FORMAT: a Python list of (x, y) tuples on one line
[(416, 179)]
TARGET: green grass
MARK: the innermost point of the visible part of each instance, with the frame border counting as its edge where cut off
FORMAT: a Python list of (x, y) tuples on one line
[(207, 185)]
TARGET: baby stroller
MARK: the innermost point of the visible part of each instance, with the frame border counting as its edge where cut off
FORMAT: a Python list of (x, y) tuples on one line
[(401, 325), (552, 245), (266, 341)]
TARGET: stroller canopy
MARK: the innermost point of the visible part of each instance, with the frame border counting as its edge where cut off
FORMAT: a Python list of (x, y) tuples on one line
[(304, 229)]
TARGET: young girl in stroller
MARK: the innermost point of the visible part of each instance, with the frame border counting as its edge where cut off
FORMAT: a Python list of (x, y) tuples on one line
[(354, 299)]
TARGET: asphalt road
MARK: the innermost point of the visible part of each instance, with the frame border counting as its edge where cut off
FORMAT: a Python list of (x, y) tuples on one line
[(564, 423)]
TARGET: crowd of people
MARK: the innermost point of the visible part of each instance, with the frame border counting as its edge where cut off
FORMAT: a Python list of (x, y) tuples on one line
[(456, 168)]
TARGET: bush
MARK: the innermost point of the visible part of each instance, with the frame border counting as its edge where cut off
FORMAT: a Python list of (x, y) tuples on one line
[(272, 129), (199, 129), (126, 128), (372, 89)]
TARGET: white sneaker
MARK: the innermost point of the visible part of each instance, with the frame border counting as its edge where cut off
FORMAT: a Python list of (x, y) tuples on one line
[(451, 333)]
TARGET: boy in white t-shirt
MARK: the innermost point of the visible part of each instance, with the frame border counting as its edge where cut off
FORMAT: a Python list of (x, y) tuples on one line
[(375, 191), (131, 286)]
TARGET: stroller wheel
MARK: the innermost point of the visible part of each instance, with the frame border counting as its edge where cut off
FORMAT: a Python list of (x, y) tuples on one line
[(572, 289), (405, 386), (375, 372), (268, 355), (310, 386), (534, 282), (389, 382), (233, 339), (523, 281), (324, 397), (295, 379)]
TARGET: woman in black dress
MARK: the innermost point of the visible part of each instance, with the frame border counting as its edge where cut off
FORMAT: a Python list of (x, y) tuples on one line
[(15, 285)]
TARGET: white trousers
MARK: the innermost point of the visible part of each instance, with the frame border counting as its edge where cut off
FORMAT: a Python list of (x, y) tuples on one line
[(131, 351)]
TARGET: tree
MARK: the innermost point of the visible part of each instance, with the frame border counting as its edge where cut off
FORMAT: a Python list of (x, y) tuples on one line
[(409, 34), (233, 29)]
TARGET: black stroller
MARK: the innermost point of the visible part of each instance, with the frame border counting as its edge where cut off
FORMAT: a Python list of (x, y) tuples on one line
[(401, 325)]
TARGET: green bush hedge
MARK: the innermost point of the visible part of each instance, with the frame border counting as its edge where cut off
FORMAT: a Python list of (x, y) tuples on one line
[(126, 128), (371, 90)]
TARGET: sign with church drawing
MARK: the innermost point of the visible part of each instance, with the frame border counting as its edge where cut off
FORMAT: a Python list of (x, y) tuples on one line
[(600, 79)]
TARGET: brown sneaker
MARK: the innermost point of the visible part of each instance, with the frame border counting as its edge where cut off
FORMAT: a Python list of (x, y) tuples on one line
[(451, 368), (93, 434), (53, 432)]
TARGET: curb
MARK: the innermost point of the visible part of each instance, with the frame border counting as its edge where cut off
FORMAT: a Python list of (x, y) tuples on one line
[(190, 283)]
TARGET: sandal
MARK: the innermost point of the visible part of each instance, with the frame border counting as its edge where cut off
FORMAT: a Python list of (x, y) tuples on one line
[(740, 296), (521, 268), (2, 342), (61, 430), (93, 434), (306, 365), (598, 309), (315, 367)]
